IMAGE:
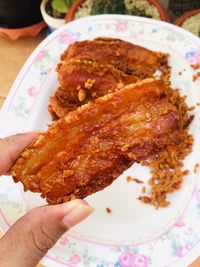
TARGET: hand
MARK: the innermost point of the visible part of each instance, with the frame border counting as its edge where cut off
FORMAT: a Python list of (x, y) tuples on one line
[(30, 238)]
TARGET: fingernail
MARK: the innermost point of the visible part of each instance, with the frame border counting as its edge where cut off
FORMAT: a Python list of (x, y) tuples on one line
[(77, 213)]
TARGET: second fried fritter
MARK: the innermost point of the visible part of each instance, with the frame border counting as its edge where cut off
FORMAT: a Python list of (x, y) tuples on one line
[(128, 57), (90, 69), (82, 81)]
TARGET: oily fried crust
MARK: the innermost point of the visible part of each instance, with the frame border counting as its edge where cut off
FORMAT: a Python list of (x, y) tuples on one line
[(89, 148), (90, 69), (82, 81), (130, 58)]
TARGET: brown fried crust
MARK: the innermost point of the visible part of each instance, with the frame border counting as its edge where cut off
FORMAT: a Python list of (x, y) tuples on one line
[(89, 148), (130, 58), (90, 69), (82, 81)]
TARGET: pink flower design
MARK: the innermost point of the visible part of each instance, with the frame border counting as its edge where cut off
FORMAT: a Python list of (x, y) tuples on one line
[(141, 32), (194, 59), (32, 91), (183, 250), (64, 240), (75, 259), (189, 231), (198, 58), (198, 195), (66, 38), (41, 55), (140, 261), (128, 259), (180, 223), (121, 26)]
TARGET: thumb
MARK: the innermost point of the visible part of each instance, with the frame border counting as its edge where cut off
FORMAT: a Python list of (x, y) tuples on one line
[(30, 238), (10, 148)]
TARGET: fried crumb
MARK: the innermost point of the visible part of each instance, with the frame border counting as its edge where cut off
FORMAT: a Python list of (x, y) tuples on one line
[(81, 95), (144, 189), (145, 163), (130, 179), (186, 172), (191, 108), (94, 94), (196, 76), (196, 167), (180, 73), (198, 104), (196, 66), (108, 210), (89, 83), (145, 199)]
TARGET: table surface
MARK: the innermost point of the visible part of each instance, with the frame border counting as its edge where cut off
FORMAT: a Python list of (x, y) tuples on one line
[(13, 55)]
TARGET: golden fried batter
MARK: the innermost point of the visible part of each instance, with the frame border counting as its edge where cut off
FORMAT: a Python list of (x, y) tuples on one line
[(82, 81), (130, 58), (90, 69), (88, 149)]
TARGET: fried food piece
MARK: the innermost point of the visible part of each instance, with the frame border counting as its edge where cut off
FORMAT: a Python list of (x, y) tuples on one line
[(130, 58), (91, 69), (89, 148), (82, 81)]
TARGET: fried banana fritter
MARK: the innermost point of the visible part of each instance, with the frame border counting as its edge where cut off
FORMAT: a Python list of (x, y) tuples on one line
[(88, 149)]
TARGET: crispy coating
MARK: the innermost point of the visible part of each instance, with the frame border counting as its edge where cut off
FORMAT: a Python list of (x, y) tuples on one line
[(88, 149), (130, 58), (90, 69), (82, 81)]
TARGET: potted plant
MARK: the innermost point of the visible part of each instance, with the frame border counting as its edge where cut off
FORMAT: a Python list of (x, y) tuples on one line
[(20, 18), (54, 12), (146, 8), (190, 21)]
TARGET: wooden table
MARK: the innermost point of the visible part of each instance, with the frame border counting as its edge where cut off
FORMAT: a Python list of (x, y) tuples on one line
[(13, 55)]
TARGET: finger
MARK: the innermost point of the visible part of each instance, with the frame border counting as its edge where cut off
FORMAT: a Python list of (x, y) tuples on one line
[(10, 148), (30, 238)]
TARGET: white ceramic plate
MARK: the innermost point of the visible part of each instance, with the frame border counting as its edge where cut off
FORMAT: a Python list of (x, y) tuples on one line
[(133, 234)]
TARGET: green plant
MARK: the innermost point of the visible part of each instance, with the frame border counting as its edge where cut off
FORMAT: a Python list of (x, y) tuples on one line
[(62, 6), (108, 7), (114, 7), (137, 12)]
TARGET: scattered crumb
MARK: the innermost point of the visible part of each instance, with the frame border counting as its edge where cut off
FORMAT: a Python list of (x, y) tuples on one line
[(196, 66), (108, 210), (144, 189), (196, 76), (145, 163), (185, 172), (196, 167), (198, 104), (129, 179), (191, 108), (144, 199), (180, 73)]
